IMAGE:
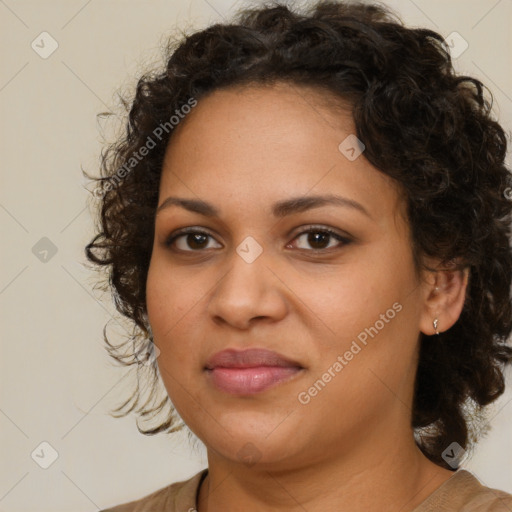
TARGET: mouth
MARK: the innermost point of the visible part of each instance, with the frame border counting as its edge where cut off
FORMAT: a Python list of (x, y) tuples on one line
[(249, 371)]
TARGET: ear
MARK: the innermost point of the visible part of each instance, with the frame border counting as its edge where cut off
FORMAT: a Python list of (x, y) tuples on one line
[(444, 296)]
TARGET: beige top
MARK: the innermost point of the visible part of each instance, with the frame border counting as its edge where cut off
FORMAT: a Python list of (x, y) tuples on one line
[(462, 492)]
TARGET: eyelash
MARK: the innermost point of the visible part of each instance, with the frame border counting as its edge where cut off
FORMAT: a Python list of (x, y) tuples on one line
[(312, 229)]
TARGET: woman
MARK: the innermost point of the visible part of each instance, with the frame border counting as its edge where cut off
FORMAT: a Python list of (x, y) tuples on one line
[(308, 222)]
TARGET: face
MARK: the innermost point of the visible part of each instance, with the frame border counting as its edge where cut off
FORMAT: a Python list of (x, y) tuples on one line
[(328, 287)]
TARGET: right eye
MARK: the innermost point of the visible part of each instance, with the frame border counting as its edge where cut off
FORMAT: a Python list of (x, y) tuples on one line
[(194, 239)]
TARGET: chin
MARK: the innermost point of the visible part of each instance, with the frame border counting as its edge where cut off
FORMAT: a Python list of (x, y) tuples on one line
[(255, 449)]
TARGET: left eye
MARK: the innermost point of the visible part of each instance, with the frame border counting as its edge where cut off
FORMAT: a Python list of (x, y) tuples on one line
[(317, 238)]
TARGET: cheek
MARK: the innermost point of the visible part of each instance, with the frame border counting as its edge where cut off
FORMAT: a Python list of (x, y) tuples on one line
[(372, 314), (167, 306), (175, 301), (170, 295), (352, 300)]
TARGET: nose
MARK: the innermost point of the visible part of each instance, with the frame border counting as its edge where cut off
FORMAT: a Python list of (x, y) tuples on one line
[(248, 291)]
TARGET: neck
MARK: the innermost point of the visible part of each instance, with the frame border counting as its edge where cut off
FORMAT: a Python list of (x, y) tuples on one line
[(385, 475)]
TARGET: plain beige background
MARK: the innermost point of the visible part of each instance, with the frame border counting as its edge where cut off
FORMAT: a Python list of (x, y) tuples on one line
[(57, 383)]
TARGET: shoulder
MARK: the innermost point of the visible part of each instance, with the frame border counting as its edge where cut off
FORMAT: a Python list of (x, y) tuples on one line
[(177, 496), (487, 499), (464, 492)]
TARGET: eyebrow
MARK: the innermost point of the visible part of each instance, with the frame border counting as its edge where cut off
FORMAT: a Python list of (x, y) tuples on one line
[(280, 209)]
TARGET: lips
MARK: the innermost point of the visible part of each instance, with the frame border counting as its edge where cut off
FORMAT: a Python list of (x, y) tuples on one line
[(249, 371), (250, 358)]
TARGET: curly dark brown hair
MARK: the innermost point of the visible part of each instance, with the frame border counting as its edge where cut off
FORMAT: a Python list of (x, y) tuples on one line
[(424, 125)]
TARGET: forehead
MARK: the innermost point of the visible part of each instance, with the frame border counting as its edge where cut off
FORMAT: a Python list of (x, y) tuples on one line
[(270, 142), (277, 114)]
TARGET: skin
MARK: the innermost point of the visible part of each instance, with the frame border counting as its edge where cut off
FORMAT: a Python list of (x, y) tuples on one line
[(351, 446)]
